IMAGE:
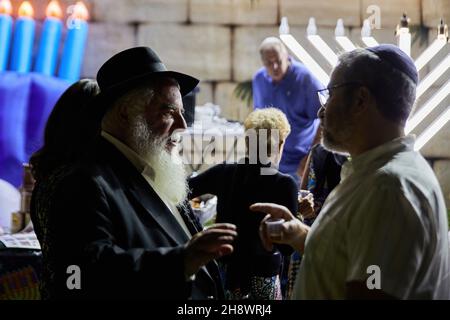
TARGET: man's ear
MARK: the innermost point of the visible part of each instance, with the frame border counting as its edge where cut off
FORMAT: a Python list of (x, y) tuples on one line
[(122, 114), (363, 99)]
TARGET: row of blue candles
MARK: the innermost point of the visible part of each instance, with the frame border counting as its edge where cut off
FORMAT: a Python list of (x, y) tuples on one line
[(23, 39)]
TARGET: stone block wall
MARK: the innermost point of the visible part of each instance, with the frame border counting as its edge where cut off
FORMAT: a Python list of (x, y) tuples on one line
[(325, 12), (200, 50), (433, 10), (141, 11), (234, 12)]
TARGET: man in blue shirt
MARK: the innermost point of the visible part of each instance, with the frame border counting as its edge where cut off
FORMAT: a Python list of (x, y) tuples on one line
[(286, 84)]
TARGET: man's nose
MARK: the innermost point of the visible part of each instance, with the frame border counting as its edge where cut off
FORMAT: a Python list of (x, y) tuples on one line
[(276, 66), (180, 123)]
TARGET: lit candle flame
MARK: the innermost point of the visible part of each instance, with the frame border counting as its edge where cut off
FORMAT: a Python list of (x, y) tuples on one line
[(26, 10), (54, 10), (5, 7), (80, 11)]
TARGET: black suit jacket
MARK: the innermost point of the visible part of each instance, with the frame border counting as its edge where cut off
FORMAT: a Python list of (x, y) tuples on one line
[(107, 219)]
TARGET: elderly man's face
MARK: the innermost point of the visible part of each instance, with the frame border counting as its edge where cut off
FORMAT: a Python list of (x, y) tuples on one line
[(276, 62), (336, 118), (165, 114)]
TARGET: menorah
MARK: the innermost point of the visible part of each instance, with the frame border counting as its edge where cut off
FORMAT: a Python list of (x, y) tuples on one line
[(31, 80), (21, 40), (404, 43)]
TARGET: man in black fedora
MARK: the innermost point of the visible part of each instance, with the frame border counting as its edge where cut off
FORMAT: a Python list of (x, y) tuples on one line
[(128, 226)]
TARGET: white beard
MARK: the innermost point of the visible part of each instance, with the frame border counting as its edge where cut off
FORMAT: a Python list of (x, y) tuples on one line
[(170, 174)]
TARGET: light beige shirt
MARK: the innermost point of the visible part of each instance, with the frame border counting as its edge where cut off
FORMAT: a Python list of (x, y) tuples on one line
[(149, 175), (388, 211)]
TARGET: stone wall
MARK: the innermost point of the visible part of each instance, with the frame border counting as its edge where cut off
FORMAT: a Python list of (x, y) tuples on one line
[(217, 41)]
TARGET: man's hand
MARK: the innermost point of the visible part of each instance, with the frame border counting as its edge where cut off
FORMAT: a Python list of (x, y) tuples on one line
[(293, 232), (211, 243)]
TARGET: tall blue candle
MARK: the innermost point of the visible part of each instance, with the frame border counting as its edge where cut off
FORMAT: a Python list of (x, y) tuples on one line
[(22, 48), (49, 43), (73, 52), (5, 32)]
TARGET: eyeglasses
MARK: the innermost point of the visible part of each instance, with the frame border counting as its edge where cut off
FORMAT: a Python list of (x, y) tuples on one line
[(325, 94)]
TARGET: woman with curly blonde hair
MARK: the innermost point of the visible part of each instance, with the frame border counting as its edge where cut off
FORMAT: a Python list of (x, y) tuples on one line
[(251, 272)]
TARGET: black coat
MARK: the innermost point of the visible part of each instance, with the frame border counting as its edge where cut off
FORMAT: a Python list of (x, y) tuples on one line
[(105, 218), (237, 186)]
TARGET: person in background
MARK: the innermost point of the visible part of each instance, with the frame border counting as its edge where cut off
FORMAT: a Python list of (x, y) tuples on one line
[(71, 128), (322, 174), (383, 231), (251, 272), (288, 85), (119, 226)]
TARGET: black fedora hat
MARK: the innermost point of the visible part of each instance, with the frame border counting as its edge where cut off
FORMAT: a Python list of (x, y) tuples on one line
[(133, 67)]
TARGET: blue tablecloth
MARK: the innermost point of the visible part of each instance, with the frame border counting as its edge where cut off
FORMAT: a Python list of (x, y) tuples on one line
[(26, 101)]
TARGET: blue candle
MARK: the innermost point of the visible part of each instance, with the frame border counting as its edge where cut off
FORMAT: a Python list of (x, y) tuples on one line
[(22, 48), (73, 52), (5, 32), (49, 43)]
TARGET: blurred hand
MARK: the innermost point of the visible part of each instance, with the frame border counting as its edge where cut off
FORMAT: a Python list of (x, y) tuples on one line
[(211, 243), (306, 207), (293, 231)]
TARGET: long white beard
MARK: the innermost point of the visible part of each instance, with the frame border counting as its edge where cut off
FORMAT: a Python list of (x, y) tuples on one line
[(170, 174)]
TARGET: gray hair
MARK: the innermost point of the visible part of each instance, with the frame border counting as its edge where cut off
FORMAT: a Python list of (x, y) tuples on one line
[(134, 101), (393, 90), (272, 43)]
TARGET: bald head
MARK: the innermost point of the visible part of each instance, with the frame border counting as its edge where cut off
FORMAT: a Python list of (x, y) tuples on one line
[(272, 43), (274, 57)]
